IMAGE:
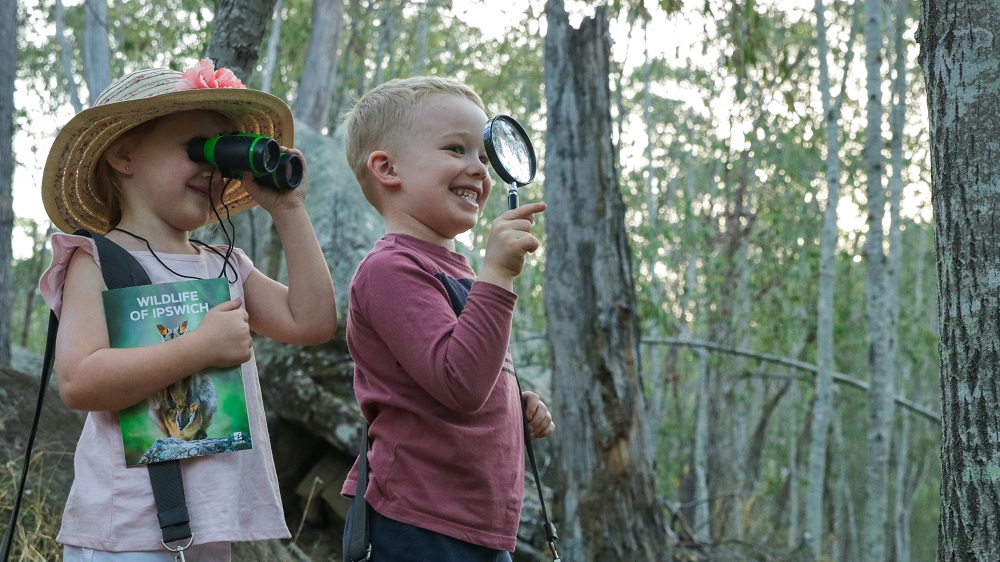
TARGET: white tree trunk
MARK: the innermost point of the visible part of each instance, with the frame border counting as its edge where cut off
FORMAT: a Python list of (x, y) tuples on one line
[(66, 56), (825, 364), (897, 121), (385, 38), (271, 54), (423, 30), (880, 410), (96, 57), (794, 511), (312, 102), (702, 524)]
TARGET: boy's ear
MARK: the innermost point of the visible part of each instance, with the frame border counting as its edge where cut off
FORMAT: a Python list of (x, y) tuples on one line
[(381, 166)]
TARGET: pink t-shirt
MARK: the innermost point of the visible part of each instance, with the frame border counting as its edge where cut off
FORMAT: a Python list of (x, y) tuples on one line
[(230, 496), (433, 375)]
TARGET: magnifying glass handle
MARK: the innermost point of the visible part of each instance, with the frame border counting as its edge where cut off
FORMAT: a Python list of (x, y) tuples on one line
[(512, 196)]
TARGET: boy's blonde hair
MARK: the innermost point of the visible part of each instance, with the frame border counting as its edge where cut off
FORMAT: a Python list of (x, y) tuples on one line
[(385, 116)]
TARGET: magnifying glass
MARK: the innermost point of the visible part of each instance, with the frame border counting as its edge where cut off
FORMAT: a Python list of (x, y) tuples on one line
[(511, 154)]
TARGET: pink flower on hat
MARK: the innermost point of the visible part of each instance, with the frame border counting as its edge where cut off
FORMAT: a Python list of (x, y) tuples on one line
[(203, 75)]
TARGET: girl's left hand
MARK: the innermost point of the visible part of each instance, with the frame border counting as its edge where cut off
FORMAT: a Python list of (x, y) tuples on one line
[(539, 418), (272, 199)]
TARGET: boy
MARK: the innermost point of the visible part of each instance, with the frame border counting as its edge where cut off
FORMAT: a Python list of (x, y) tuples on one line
[(433, 373)]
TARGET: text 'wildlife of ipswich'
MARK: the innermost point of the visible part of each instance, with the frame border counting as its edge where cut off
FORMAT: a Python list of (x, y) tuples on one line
[(171, 304)]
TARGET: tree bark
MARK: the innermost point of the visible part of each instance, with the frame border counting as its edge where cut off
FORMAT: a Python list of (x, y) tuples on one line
[(960, 71), (605, 499), (96, 57), (66, 57), (880, 344), (901, 365), (271, 55), (825, 363), (237, 34), (8, 74), (315, 92)]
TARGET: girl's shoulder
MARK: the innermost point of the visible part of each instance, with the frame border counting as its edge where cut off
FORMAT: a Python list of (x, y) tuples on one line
[(64, 247)]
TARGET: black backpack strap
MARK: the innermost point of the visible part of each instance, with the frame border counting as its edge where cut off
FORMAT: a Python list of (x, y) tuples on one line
[(124, 270), (358, 547), (121, 269)]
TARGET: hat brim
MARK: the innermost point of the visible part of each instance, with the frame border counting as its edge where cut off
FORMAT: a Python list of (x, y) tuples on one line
[(70, 170)]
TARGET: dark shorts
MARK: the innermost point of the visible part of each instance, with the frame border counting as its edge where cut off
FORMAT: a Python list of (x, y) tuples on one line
[(393, 541)]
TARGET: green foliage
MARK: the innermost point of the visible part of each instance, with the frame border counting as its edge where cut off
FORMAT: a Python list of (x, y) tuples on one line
[(723, 178)]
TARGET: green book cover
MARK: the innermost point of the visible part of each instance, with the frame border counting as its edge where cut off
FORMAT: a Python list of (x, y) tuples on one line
[(203, 414)]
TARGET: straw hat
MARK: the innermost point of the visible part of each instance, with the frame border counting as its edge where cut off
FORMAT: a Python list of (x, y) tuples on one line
[(70, 170)]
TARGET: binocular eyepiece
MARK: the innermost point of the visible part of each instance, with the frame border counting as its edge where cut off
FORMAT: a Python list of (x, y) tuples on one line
[(236, 152)]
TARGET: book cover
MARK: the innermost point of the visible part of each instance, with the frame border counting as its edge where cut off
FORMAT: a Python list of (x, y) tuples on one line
[(203, 414)]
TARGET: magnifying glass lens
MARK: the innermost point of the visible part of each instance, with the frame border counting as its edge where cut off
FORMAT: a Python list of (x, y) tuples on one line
[(513, 151)]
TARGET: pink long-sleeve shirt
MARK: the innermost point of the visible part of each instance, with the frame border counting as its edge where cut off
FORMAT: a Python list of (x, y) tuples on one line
[(434, 378)]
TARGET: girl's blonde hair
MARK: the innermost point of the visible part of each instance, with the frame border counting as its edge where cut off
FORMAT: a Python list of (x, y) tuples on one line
[(385, 115)]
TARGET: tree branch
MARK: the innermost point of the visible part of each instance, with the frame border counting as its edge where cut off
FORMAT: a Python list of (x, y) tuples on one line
[(799, 365)]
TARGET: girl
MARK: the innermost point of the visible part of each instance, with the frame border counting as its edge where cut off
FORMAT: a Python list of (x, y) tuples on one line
[(121, 168)]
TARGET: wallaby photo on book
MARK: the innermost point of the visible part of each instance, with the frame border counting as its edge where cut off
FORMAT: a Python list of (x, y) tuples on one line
[(203, 414)]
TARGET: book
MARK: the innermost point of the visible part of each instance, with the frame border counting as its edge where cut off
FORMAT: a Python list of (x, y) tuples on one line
[(203, 414)]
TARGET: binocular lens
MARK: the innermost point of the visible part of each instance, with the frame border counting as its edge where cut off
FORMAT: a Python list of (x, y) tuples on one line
[(287, 175), (233, 153)]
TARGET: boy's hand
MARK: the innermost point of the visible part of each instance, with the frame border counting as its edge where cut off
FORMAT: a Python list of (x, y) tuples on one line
[(224, 333), (510, 238), (274, 200), (539, 418)]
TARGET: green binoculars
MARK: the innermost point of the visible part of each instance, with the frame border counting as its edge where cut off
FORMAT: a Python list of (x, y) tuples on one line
[(235, 153)]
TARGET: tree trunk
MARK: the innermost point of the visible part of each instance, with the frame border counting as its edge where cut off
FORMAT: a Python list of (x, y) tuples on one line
[(960, 71), (66, 56), (880, 345), (606, 500), (423, 30), (701, 524), (825, 363), (897, 121), (271, 55), (237, 33), (96, 60), (315, 92), (383, 67), (8, 73)]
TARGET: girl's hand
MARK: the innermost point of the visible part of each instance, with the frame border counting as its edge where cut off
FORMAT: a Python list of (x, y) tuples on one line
[(510, 239), (224, 334), (274, 200), (539, 418)]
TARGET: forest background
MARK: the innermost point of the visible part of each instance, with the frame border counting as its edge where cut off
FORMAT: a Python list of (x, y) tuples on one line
[(734, 313)]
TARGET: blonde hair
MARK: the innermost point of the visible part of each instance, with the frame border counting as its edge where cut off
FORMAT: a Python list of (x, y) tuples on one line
[(386, 114)]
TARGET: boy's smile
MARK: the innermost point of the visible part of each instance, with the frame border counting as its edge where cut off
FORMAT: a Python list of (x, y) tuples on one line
[(438, 175)]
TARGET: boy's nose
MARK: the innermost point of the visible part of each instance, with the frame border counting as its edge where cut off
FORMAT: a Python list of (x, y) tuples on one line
[(480, 169)]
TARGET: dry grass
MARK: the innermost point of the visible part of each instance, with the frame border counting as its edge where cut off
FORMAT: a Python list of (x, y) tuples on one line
[(39, 518)]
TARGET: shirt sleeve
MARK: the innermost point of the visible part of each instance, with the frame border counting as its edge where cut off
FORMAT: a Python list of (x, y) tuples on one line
[(50, 285), (455, 359)]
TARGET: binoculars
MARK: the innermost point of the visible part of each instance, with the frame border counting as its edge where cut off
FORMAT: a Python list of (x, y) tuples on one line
[(236, 152)]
